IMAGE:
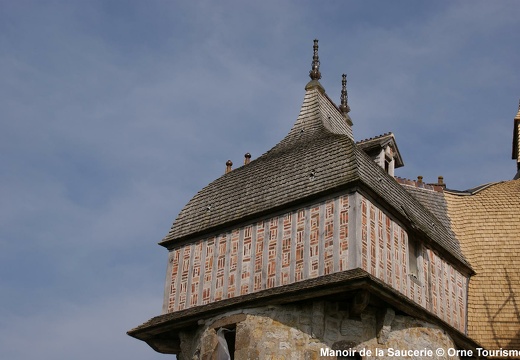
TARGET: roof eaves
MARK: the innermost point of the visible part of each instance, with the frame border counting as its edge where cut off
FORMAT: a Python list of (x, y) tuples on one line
[(168, 241), (327, 285)]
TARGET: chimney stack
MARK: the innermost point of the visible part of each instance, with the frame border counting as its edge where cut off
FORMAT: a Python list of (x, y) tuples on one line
[(247, 158), (229, 164)]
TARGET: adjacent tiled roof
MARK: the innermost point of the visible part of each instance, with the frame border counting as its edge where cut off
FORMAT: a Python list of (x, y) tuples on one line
[(487, 224), (317, 156)]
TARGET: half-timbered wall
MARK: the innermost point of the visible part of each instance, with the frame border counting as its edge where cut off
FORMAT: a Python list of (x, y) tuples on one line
[(299, 245), (439, 287), (334, 235)]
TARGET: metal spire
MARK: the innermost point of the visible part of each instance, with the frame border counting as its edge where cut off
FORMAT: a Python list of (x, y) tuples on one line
[(344, 96), (315, 72), (518, 113)]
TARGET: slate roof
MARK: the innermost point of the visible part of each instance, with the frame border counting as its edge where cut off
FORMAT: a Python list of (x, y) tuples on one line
[(487, 224), (421, 219), (318, 156), (434, 201), (304, 163)]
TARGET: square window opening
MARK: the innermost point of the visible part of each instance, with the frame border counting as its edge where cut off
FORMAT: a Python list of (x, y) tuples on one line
[(413, 258)]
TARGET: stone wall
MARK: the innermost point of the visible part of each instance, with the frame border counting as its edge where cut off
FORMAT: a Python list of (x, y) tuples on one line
[(306, 330)]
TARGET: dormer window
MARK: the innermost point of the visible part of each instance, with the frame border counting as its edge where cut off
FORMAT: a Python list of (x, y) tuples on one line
[(383, 150)]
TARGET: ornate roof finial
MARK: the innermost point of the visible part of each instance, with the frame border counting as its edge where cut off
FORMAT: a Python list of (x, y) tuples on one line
[(518, 113), (344, 108), (315, 72)]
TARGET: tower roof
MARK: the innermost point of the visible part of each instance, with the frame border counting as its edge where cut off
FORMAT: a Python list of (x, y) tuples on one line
[(316, 155), (316, 158)]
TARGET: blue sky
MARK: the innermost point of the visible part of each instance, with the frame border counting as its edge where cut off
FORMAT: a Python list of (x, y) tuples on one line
[(113, 114)]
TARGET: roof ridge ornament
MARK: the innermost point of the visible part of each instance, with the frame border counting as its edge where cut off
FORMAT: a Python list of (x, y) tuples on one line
[(343, 107), (344, 95), (315, 67), (518, 113), (314, 73)]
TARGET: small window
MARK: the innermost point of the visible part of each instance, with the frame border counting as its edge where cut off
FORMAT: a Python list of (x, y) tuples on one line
[(413, 255), (389, 165)]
